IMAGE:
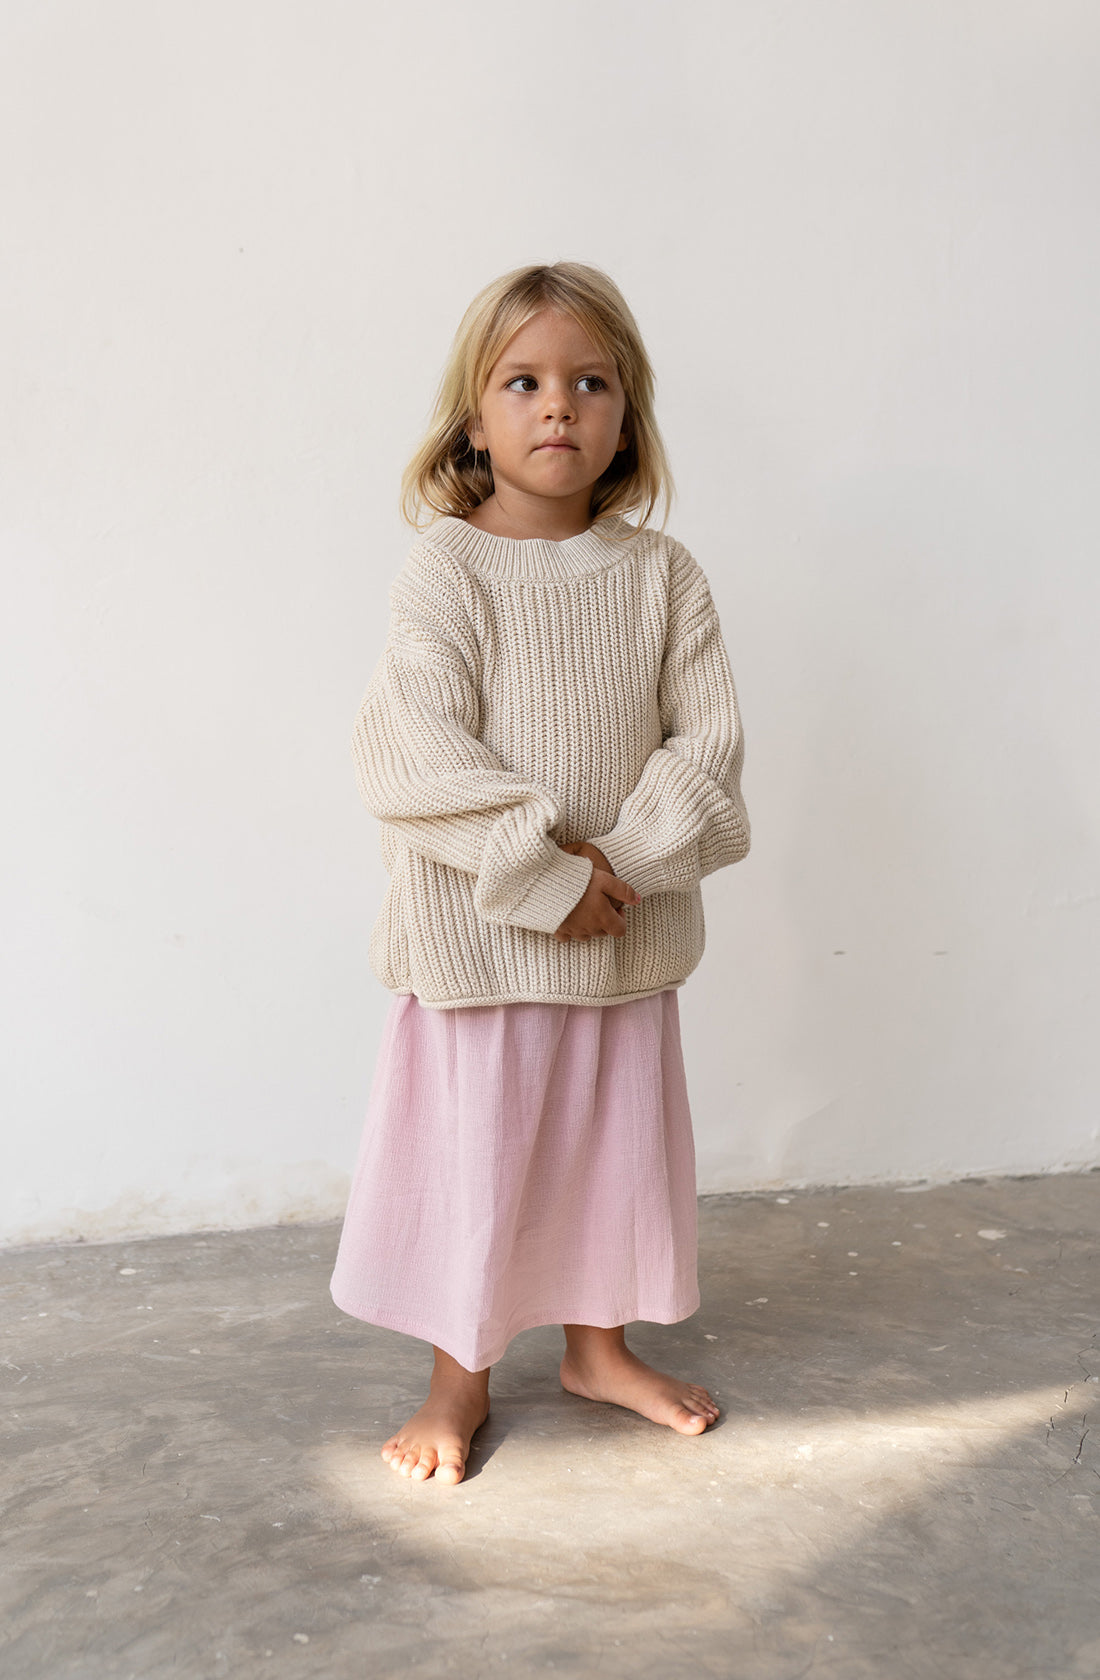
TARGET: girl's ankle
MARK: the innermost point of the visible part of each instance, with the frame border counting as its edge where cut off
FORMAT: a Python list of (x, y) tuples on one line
[(449, 1373)]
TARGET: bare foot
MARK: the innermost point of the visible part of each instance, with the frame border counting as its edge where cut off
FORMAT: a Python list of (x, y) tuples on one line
[(437, 1437), (598, 1365)]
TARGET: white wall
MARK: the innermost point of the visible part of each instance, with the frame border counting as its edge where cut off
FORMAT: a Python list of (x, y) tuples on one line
[(862, 242)]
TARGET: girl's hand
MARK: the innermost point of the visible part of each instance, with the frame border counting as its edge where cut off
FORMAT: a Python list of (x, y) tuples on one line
[(585, 848), (599, 909)]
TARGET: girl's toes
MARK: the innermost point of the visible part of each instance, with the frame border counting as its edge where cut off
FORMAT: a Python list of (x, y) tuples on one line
[(450, 1469), (689, 1423), (424, 1465)]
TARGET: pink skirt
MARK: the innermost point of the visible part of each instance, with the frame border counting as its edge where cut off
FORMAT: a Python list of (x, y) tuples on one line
[(522, 1164)]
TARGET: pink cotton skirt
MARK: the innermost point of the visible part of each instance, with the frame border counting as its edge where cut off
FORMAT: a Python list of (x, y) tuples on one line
[(522, 1164)]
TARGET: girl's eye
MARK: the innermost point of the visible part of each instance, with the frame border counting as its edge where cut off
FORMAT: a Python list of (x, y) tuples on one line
[(528, 380)]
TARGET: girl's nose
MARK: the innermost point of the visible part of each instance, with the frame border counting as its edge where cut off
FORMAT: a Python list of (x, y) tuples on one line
[(559, 403)]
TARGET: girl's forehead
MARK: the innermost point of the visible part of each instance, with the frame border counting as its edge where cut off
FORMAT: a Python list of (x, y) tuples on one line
[(551, 334)]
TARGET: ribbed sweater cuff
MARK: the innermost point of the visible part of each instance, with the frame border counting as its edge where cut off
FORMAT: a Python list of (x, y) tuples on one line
[(559, 888), (628, 850)]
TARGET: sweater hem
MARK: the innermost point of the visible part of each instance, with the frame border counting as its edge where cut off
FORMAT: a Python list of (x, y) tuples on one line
[(491, 1001)]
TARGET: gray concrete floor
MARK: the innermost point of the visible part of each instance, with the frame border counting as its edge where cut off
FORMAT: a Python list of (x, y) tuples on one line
[(905, 1481)]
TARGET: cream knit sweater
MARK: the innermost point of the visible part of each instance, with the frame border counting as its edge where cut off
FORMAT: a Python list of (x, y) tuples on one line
[(532, 692)]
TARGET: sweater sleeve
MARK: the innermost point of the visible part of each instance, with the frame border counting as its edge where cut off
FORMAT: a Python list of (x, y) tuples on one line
[(421, 767), (686, 817)]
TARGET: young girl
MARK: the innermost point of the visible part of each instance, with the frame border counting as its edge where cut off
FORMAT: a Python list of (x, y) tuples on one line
[(552, 744)]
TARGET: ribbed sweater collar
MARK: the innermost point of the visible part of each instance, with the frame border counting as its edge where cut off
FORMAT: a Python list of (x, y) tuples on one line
[(606, 541)]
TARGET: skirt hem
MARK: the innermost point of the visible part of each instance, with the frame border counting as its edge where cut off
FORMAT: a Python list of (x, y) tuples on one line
[(476, 1358)]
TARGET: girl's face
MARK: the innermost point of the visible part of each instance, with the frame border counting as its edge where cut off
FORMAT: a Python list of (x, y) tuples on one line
[(552, 416)]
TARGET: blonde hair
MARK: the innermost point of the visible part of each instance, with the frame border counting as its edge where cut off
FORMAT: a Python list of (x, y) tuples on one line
[(447, 475)]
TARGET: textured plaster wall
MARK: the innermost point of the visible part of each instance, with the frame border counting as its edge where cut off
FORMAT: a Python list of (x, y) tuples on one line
[(862, 242)]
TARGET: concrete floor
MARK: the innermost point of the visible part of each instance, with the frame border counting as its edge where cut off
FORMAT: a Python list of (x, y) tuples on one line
[(905, 1481)]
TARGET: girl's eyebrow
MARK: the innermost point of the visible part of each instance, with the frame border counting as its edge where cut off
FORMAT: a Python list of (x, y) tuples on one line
[(527, 367)]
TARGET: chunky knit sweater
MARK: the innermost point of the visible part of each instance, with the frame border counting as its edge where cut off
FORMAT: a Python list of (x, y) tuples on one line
[(532, 692)]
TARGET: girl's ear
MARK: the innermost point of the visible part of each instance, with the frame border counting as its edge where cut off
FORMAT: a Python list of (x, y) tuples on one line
[(474, 434)]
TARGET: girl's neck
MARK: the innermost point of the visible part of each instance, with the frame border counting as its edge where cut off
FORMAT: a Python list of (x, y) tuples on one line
[(522, 522)]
